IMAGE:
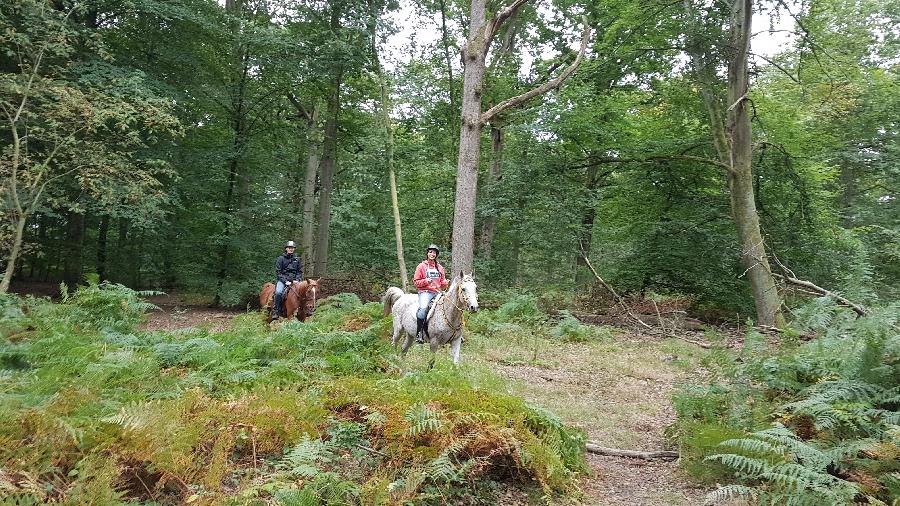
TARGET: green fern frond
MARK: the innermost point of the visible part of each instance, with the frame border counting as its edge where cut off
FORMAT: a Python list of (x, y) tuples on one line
[(301, 459), (747, 465), (422, 418), (133, 416), (729, 492), (754, 446)]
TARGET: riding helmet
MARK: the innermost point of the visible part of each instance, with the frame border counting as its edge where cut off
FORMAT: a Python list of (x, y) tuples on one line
[(433, 247), (290, 244)]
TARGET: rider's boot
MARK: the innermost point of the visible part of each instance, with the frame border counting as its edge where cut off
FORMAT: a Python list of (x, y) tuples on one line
[(277, 310), (420, 330)]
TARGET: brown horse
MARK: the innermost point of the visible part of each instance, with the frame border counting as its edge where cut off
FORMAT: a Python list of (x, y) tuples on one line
[(300, 295)]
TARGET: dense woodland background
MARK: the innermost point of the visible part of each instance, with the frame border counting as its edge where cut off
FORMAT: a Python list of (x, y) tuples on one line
[(168, 144), (560, 149)]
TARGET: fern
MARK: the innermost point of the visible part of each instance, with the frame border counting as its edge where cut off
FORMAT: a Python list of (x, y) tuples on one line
[(302, 459), (422, 418), (729, 492)]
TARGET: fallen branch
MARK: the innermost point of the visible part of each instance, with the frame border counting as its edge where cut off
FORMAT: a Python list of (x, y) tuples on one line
[(372, 450), (621, 302), (861, 311), (791, 278), (702, 344), (634, 454)]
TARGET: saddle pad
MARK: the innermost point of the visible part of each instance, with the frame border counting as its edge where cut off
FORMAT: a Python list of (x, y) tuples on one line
[(432, 305)]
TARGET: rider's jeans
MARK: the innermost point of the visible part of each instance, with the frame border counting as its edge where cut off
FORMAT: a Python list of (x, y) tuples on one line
[(279, 292), (424, 298)]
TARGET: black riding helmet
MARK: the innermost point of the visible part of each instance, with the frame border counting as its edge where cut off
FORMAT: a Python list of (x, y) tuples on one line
[(433, 247)]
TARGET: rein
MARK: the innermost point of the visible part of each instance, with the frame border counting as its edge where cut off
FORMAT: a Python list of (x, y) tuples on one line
[(460, 295)]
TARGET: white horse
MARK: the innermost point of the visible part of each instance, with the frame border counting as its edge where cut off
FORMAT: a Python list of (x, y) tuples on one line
[(445, 323)]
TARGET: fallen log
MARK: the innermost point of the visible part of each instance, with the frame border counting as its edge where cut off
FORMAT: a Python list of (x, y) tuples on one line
[(634, 454)]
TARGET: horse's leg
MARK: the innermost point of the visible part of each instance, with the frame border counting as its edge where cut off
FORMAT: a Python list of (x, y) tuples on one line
[(454, 347), (398, 326), (409, 341), (431, 362)]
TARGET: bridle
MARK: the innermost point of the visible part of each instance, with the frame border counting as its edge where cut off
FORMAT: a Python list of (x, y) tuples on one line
[(312, 288), (460, 296)]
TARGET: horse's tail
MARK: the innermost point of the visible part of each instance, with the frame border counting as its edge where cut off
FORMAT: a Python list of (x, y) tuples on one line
[(391, 296)]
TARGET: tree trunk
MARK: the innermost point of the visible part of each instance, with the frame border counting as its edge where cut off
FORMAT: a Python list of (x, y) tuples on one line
[(481, 34), (489, 227), (516, 248), (469, 141), (732, 138), (392, 180), (743, 204), (586, 233), (327, 168), (236, 186), (102, 235), (72, 272), (309, 185), (121, 254), (451, 86), (13, 254)]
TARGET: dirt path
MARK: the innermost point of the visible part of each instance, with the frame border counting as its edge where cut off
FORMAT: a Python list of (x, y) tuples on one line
[(619, 391), (175, 313)]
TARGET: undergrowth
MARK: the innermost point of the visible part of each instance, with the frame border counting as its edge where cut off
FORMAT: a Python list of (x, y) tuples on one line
[(802, 422), (94, 411)]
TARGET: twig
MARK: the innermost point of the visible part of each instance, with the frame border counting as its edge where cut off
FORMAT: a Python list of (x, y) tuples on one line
[(587, 262), (701, 344), (372, 450), (150, 493), (592, 447), (659, 319)]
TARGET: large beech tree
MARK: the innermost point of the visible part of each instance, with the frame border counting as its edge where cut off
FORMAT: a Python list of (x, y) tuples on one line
[(474, 55), (729, 124)]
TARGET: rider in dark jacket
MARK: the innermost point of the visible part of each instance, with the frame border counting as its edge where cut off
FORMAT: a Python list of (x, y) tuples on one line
[(288, 269)]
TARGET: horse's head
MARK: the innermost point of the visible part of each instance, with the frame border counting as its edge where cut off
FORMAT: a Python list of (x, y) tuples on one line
[(469, 291), (312, 294)]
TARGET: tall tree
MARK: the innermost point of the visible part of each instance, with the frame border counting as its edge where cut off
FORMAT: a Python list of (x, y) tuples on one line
[(732, 138), (474, 54), (388, 133)]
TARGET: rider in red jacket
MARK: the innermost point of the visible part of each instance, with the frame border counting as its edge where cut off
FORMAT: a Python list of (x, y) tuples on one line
[(429, 280)]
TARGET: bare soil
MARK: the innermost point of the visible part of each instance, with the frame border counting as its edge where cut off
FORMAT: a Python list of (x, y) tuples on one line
[(620, 393)]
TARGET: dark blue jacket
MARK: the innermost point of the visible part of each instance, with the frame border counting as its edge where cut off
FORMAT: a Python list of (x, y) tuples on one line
[(288, 267)]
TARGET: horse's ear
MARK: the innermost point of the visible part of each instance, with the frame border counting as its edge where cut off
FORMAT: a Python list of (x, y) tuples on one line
[(460, 275)]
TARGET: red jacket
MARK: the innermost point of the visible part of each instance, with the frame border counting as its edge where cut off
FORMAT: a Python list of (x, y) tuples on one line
[(427, 276)]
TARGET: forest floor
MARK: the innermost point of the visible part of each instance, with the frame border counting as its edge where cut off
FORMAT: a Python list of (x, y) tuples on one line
[(619, 391)]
